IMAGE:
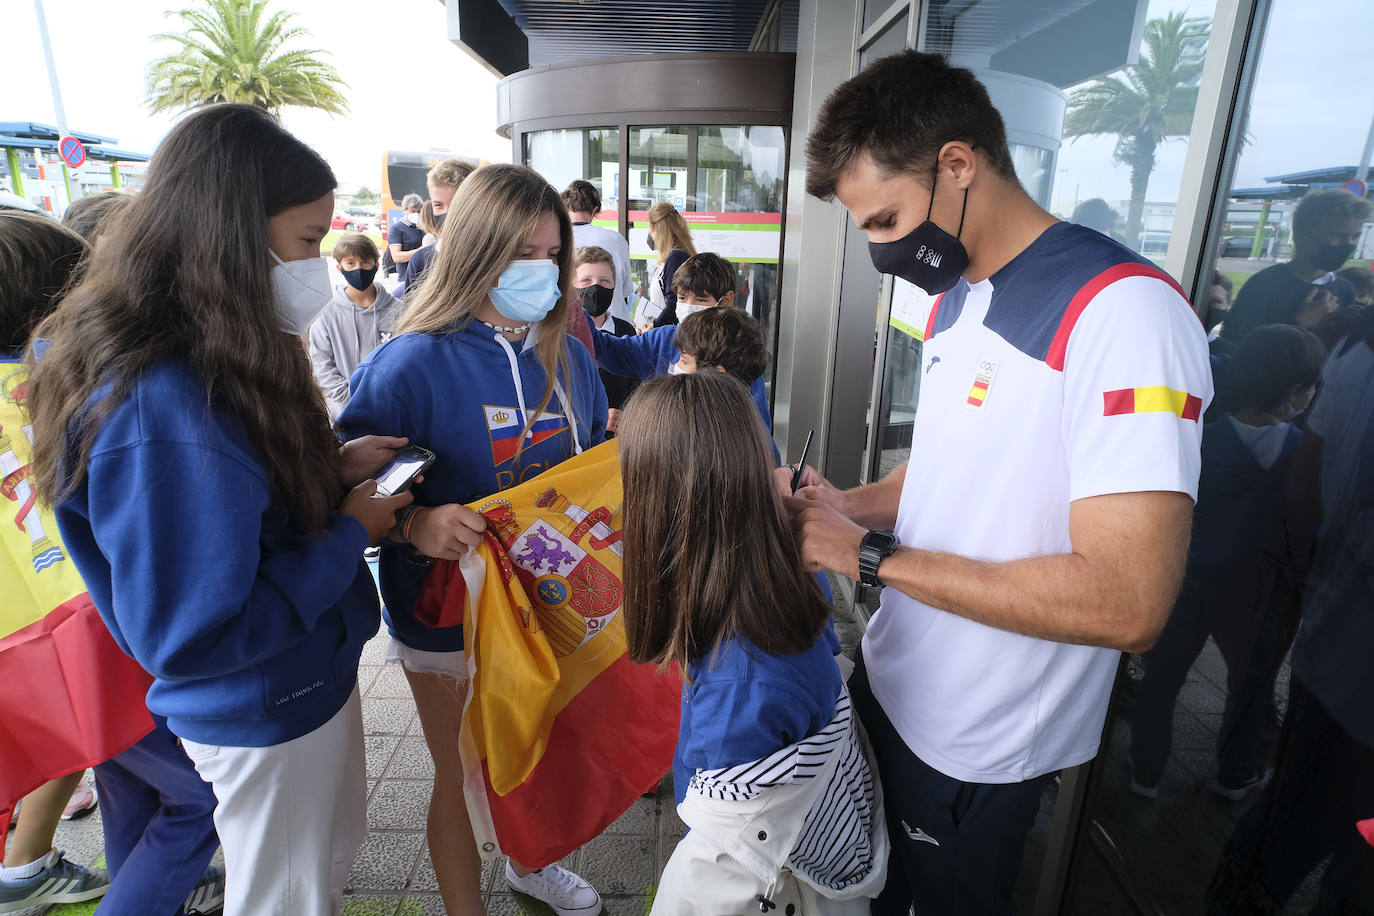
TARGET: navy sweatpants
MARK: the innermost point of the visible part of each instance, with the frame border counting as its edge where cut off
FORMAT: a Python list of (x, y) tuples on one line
[(956, 846), (158, 818)]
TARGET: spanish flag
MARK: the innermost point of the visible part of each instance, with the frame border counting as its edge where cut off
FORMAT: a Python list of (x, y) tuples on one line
[(70, 698), (560, 732), (1152, 399)]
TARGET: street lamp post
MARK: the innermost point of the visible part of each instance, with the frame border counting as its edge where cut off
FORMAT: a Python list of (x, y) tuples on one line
[(56, 97)]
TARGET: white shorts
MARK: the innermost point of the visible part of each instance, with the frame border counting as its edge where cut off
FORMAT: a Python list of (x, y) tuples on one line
[(420, 661)]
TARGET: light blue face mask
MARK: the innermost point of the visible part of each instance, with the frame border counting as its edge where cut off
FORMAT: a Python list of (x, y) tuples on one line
[(526, 290)]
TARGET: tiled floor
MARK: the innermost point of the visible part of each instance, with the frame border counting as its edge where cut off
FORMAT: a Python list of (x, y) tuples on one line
[(1172, 843)]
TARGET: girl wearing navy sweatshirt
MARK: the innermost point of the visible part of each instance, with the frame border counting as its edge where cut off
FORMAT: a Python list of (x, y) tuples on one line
[(217, 523), (770, 772), (481, 373)]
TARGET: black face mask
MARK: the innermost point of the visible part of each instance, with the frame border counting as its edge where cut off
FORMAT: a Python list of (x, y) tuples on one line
[(651, 241), (927, 256), (1332, 257), (439, 220), (596, 299)]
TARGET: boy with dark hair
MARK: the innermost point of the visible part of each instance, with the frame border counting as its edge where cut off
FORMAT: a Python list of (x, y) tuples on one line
[(707, 283), (1076, 372), (699, 282), (725, 339), (361, 315)]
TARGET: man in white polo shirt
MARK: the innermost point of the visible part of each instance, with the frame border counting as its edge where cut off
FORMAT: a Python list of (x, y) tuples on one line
[(1041, 524)]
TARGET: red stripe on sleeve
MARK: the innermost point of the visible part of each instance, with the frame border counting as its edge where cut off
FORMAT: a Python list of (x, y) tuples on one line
[(1060, 345), (1192, 407), (930, 321), (1116, 403)]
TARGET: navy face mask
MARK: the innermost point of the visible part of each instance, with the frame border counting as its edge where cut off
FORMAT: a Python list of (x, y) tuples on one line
[(927, 256), (360, 278)]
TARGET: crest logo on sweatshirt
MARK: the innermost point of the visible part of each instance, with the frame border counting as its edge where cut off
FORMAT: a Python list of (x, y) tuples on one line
[(504, 425)]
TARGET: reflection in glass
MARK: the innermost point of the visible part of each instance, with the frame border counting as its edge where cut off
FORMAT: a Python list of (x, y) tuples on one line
[(562, 156)]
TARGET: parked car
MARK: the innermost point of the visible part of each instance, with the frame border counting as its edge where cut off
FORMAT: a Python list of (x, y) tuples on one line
[(369, 212), (345, 222)]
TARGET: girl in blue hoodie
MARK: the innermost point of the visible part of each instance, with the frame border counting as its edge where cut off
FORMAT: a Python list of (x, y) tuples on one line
[(214, 518), (481, 373)]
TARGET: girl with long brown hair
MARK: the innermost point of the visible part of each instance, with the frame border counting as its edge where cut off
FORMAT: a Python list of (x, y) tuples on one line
[(714, 581), (481, 373), (211, 512), (672, 240)]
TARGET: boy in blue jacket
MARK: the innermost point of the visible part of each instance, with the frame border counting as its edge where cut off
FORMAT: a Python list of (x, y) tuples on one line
[(704, 281)]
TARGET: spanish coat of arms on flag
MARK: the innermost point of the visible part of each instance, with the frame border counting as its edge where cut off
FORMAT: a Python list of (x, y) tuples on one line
[(71, 698), (560, 732)]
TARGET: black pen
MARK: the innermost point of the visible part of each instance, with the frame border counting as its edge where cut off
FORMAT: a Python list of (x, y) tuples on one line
[(797, 471)]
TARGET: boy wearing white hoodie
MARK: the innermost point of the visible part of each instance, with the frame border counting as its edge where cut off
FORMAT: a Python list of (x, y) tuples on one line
[(359, 317)]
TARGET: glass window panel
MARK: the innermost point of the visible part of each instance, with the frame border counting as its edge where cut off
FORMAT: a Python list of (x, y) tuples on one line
[(593, 154), (1229, 686), (658, 173)]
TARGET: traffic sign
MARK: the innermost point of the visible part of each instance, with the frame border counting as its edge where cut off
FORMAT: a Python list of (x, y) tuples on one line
[(72, 152), (1356, 187)]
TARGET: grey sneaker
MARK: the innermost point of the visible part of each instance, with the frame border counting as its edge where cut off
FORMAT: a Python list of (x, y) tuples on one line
[(208, 894), (60, 881), (564, 892)]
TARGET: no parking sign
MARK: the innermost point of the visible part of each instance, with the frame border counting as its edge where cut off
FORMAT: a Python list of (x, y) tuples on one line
[(72, 152)]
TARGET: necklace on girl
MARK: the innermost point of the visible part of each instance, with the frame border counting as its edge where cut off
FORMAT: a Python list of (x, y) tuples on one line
[(519, 329)]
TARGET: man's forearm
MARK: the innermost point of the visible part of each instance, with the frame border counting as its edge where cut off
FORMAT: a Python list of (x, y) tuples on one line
[(875, 505), (1060, 597), (400, 256)]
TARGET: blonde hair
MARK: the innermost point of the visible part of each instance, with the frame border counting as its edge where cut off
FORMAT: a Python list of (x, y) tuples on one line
[(449, 174), (667, 225), (592, 254), (495, 210)]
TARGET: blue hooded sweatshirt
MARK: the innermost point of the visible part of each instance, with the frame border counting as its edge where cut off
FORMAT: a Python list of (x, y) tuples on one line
[(252, 628), (653, 353), (442, 391)]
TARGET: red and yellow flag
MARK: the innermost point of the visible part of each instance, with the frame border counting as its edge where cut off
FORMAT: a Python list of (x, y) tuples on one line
[(561, 732), (1152, 399), (71, 698)]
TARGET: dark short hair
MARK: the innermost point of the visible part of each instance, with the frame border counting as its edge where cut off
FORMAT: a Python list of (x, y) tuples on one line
[(727, 338), (356, 245), (38, 258), (1334, 326), (1220, 279), (1362, 278), (705, 274), (582, 197), (1269, 361), (1316, 207), (901, 111), (88, 216)]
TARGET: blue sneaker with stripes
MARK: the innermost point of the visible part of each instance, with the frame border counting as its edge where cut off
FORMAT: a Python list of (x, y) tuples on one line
[(59, 881)]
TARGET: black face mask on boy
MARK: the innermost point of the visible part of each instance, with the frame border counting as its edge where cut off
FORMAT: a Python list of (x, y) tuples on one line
[(927, 256), (596, 299)]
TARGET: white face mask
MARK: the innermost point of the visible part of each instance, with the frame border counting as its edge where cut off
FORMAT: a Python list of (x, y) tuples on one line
[(302, 290), (684, 310), (414, 218), (676, 369)]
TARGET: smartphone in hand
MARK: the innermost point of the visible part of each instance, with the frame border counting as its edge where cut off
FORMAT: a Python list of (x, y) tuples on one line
[(400, 472)]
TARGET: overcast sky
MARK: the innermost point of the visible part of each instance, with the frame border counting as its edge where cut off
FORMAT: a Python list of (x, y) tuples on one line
[(410, 88)]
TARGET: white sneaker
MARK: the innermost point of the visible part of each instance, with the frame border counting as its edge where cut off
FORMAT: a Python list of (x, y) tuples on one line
[(564, 892)]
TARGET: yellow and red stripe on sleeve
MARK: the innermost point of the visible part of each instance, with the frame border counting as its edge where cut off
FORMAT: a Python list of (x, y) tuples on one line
[(1152, 399)]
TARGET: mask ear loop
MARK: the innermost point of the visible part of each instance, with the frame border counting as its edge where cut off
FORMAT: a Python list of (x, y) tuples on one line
[(963, 211), (960, 231)]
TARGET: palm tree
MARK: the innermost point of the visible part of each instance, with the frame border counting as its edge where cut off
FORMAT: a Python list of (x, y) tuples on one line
[(1146, 103), (232, 51)]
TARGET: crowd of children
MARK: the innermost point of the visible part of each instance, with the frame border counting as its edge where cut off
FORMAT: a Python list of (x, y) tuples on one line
[(187, 431)]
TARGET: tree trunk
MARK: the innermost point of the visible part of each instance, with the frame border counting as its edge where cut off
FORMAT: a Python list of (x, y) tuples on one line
[(1142, 166)]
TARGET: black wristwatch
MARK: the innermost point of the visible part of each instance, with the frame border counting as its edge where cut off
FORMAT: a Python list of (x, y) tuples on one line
[(873, 549)]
